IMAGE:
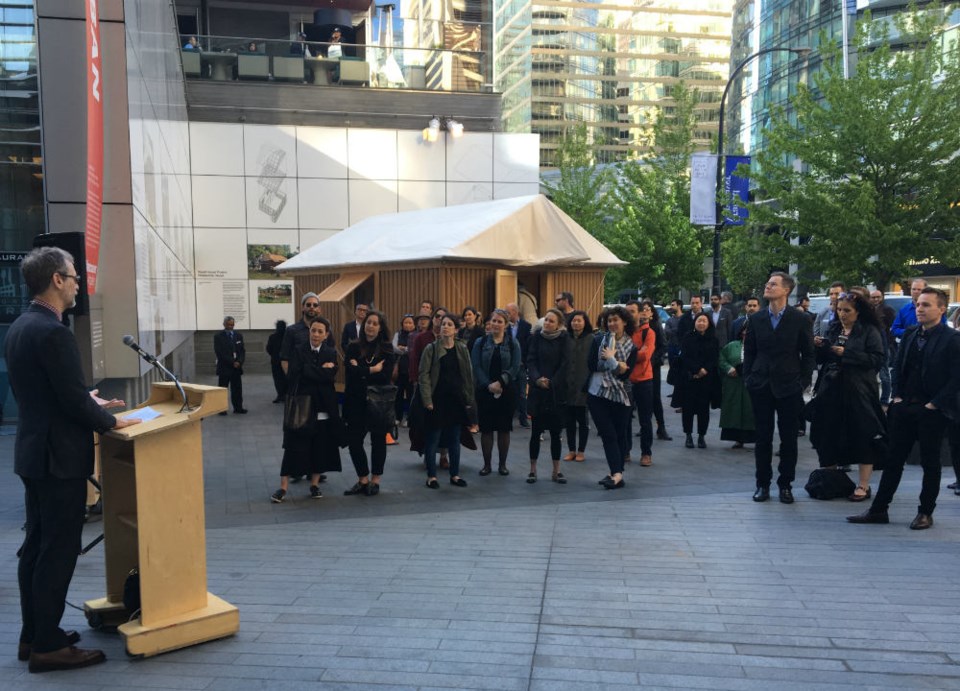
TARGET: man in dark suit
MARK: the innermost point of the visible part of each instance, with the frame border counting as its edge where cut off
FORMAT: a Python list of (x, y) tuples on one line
[(722, 318), (53, 456), (687, 318), (778, 362), (520, 329), (351, 330), (924, 403), (230, 352)]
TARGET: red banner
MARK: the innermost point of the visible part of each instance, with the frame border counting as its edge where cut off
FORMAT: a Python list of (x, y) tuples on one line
[(94, 145)]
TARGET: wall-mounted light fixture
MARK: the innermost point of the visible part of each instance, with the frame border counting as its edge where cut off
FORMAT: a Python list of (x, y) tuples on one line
[(431, 132)]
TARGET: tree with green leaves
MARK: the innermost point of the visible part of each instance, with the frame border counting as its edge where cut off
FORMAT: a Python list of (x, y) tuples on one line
[(581, 189), (651, 208), (864, 176)]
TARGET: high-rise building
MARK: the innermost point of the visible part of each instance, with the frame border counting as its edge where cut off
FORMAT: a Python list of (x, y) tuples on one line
[(609, 65)]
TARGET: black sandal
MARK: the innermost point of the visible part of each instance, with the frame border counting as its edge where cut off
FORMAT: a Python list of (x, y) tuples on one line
[(433, 484), (531, 478)]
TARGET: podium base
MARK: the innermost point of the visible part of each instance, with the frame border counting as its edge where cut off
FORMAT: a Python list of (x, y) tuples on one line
[(102, 613), (218, 619)]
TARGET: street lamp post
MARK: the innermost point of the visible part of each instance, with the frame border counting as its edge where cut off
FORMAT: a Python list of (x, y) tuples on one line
[(802, 52)]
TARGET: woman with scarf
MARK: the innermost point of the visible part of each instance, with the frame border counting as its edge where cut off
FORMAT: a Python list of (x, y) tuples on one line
[(700, 352), (848, 424), (548, 356), (496, 363), (611, 358), (316, 448), (575, 407), (446, 388), (369, 363)]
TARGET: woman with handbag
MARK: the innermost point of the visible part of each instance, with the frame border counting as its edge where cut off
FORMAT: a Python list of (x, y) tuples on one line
[(575, 405), (496, 360), (446, 389), (369, 362), (848, 425), (700, 352), (547, 359), (612, 357), (312, 426)]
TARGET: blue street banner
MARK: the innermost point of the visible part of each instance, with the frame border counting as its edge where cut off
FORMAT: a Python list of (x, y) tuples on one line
[(736, 191)]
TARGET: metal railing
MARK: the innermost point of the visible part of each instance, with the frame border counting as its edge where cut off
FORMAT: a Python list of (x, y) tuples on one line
[(236, 58)]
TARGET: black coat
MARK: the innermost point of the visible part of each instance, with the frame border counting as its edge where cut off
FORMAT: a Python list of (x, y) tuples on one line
[(780, 358), (846, 418), (523, 336), (940, 371), (547, 358), (229, 352), (307, 373), (57, 415), (700, 351), (359, 377)]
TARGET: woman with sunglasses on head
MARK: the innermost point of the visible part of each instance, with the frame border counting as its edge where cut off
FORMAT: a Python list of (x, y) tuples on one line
[(369, 362), (496, 360), (848, 425), (547, 360), (446, 389), (575, 407), (612, 356)]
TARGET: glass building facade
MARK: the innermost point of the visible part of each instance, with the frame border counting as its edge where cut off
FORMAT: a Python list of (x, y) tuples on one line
[(609, 65)]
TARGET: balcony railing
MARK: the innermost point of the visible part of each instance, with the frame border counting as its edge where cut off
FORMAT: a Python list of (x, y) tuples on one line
[(232, 58)]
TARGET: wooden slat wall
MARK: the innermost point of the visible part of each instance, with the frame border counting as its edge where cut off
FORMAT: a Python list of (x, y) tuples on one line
[(461, 286), (399, 291), (585, 284)]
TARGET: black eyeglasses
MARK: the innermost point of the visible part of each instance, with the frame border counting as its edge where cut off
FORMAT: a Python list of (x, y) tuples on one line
[(75, 277), (312, 304)]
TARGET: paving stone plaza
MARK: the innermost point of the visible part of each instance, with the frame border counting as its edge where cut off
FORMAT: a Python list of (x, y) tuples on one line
[(678, 581)]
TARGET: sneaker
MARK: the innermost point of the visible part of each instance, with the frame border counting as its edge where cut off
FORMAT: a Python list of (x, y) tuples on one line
[(278, 496), (315, 492)]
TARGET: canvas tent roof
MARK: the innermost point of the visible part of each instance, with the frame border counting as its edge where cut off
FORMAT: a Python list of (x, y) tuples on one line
[(520, 231)]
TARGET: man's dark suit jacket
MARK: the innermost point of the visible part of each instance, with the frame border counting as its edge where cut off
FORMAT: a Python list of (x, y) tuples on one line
[(351, 332), (723, 325), (783, 358), (523, 336), (57, 415), (228, 352), (940, 370)]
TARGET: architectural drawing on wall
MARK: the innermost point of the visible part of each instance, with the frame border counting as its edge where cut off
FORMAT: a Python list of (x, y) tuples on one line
[(273, 173)]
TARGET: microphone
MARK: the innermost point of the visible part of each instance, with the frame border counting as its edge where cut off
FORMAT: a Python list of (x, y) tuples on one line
[(128, 341)]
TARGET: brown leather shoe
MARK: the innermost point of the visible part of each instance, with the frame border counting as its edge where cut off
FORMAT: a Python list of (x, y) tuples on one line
[(65, 658), (23, 651), (580, 458), (572, 456), (646, 461), (922, 522)]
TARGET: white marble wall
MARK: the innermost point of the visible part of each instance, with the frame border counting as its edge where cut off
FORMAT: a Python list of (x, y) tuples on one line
[(288, 188)]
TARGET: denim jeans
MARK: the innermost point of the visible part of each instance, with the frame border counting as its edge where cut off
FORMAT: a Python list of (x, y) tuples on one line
[(439, 438)]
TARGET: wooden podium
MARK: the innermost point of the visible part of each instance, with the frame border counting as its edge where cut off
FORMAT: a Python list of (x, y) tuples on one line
[(153, 520)]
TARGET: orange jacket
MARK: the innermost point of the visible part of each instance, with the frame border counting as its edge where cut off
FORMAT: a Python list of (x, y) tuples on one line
[(646, 341)]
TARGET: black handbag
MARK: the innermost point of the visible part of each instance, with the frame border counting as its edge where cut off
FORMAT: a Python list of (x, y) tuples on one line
[(297, 411), (381, 410)]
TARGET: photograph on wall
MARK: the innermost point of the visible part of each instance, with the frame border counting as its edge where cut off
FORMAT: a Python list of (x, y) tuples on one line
[(262, 260), (276, 294), (270, 301)]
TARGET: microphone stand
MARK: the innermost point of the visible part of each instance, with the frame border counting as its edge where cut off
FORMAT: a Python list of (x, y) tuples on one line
[(150, 359)]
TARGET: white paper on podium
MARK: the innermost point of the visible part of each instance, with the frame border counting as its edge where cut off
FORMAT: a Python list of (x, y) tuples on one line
[(144, 414)]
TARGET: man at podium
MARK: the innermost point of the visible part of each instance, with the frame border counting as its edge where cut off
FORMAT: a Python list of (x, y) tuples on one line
[(53, 456)]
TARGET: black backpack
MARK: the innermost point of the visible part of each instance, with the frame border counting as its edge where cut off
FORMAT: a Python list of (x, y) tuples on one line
[(829, 483)]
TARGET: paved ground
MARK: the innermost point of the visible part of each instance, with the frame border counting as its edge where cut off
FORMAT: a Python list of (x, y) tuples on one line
[(677, 581)]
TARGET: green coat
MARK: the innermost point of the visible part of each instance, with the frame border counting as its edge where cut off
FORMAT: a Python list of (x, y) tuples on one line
[(736, 410)]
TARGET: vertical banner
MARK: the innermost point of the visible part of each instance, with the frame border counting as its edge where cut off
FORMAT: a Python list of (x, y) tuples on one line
[(736, 191), (94, 145), (703, 189)]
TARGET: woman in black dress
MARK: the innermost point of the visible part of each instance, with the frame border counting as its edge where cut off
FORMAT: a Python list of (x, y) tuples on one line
[(314, 450), (369, 363), (699, 354), (547, 360), (274, 341), (446, 388), (848, 424), (401, 348), (496, 362)]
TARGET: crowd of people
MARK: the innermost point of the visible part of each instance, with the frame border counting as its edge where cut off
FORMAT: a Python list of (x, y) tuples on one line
[(451, 375)]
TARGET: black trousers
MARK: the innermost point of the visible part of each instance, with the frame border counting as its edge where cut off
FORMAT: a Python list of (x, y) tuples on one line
[(612, 420), (279, 378), (544, 423), (953, 436), (657, 400), (643, 398), (234, 381), (576, 417), (696, 402), (55, 510), (356, 432), (910, 423), (787, 412)]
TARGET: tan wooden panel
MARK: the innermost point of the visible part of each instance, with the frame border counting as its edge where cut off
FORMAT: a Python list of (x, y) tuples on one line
[(462, 286), (506, 287)]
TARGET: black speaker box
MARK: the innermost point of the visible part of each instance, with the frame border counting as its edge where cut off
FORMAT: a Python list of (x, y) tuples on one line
[(75, 245)]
